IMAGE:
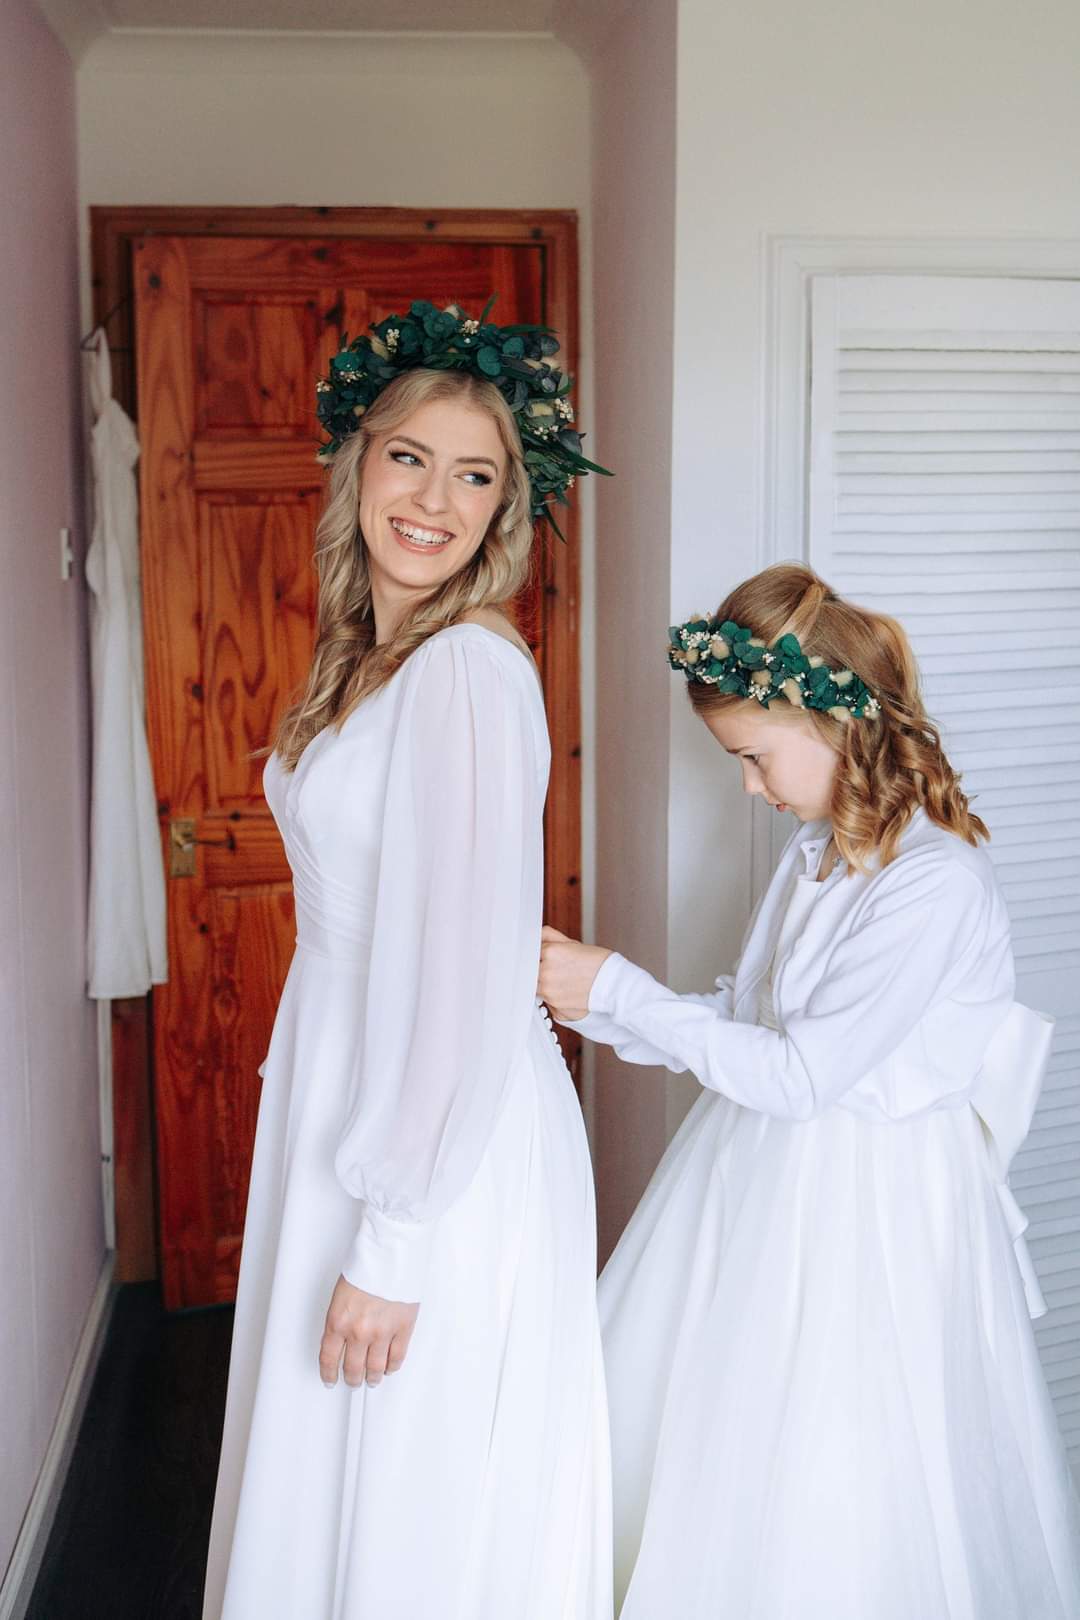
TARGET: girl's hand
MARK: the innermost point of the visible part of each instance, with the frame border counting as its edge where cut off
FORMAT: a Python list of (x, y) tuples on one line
[(374, 1334), (567, 971)]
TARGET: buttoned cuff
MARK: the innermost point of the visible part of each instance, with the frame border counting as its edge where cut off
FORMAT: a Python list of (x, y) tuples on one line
[(389, 1258)]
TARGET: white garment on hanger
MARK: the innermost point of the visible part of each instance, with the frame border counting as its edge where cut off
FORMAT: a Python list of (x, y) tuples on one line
[(125, 943)]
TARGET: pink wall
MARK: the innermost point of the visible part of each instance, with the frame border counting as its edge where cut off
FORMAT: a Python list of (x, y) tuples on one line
[(51, 1243), (631, 54)]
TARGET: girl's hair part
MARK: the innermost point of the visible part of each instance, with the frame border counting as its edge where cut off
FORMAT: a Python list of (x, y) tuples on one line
[(889, 765), (347, 665)]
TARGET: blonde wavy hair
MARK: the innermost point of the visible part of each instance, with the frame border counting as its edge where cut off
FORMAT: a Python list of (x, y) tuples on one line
[(888, 766), (347, 665)]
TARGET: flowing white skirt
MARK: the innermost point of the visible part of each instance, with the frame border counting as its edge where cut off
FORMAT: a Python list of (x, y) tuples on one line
[(473, 1484), (826, 1400)]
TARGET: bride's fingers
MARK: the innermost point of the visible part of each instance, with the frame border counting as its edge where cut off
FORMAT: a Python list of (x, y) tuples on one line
[(330, 1356), (399, 1347), (355, 1364), (377, 1352)]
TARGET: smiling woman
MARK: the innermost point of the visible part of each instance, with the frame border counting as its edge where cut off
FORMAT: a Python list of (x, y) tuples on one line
[(416, 1421)]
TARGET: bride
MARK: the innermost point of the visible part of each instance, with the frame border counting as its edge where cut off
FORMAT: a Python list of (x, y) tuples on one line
[(416, 1425)]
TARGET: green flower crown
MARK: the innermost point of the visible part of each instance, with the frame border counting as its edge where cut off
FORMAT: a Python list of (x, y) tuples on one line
[(733, 659), (514, 358)]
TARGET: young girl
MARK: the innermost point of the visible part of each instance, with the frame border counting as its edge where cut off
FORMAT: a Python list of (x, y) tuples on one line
[(825, 1394)]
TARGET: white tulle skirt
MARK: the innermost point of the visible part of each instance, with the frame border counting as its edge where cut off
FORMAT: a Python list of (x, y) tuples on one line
[(825, 1395)]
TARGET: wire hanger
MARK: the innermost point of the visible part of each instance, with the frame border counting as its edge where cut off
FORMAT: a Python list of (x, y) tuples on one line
[(88, 341)]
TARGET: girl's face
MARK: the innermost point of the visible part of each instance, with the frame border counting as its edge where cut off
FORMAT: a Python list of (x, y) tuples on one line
[(782, 756), (428, 493)]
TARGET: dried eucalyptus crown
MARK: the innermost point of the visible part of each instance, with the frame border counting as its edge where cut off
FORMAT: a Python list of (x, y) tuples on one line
[(515, 358), (733, 659)]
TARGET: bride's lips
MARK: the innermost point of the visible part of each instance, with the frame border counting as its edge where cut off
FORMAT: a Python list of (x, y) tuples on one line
[(418, 547)]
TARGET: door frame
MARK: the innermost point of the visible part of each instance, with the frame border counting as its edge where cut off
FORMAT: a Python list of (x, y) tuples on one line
[(112, 232)]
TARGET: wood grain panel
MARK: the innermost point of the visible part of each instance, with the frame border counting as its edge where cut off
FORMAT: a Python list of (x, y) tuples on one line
[(258, 612)]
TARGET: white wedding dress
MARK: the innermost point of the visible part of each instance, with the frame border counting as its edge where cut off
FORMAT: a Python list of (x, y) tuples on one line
[(418, 1132), (826, 1399)]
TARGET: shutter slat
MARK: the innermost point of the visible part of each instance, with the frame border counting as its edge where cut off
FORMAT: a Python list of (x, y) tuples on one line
[(945, 490)]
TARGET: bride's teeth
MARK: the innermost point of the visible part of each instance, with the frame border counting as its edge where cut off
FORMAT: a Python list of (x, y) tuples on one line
[(419, 537)]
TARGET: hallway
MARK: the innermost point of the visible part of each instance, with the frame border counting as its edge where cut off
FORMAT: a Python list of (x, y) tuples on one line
[(130, 1537)]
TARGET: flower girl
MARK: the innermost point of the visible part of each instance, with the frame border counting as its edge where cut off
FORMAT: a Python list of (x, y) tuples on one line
[(825, 1394)]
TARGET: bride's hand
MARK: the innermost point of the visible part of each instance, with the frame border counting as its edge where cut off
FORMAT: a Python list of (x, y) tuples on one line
[(373, 1333), (567, 971)]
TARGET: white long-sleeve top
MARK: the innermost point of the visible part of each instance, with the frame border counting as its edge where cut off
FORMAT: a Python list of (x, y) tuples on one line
[(886, 1000)]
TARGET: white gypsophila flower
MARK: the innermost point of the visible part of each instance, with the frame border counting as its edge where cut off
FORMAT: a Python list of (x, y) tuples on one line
[(769, 658), (565, 409), (471, 327), (760, 692), (392, 337), (872, 706), (322, 386)]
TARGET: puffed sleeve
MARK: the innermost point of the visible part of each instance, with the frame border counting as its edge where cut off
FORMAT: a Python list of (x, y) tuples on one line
[(914, 940), (455, 950), (601, 1027)]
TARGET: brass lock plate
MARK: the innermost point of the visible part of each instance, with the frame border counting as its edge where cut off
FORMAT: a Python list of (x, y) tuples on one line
[(182, 846)]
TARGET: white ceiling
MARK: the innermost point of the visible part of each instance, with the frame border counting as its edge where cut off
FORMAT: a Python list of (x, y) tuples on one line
[(79, 22)]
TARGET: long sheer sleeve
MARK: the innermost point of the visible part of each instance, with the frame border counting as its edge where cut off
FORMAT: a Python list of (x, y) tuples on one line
[(914, 942), (455, 949)]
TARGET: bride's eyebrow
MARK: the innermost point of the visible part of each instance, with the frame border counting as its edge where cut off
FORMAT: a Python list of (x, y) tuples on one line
[(425, 449)]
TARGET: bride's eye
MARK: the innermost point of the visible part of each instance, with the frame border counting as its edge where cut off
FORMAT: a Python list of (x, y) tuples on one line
[(405, 456), (481, 479)]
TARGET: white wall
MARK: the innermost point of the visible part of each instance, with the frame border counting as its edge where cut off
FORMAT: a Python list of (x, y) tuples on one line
[(51, 1241)]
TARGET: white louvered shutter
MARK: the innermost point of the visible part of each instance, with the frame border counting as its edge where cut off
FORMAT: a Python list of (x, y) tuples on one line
[(944, 488)]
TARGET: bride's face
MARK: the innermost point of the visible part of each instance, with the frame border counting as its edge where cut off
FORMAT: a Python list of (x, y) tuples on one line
[(783, 758), (428, 493)]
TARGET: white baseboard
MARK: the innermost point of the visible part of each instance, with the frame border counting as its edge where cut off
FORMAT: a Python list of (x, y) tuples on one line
[(17, 1586)]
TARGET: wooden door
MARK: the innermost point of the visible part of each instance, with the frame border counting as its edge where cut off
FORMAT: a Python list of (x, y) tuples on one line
[(231, 334)]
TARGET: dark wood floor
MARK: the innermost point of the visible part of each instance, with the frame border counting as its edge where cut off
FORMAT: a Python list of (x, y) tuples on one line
[(129, 1541)]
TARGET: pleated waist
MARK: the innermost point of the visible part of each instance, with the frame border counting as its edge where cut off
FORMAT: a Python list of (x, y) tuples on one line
[(315, 939)]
